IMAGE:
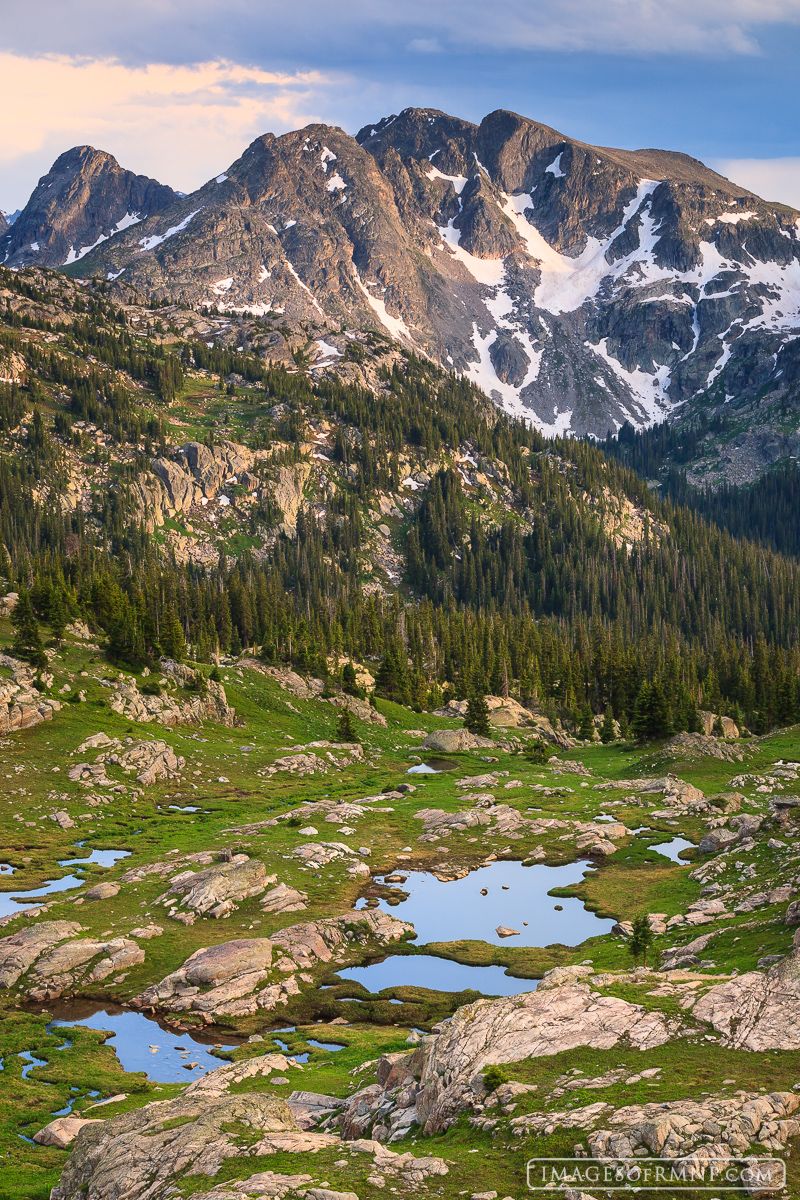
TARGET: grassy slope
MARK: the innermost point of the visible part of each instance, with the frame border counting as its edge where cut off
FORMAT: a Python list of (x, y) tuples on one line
[(636, 879)]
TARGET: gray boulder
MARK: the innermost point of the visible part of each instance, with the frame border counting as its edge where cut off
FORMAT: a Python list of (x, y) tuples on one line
[(451, 741), (19, 951), (717, 840)]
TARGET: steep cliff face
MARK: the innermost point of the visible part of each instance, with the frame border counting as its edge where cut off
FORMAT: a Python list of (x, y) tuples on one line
[(85, 197), (579, 286)]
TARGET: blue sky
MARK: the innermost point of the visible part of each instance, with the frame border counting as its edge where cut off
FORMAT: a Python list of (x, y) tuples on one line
[(177, 88)]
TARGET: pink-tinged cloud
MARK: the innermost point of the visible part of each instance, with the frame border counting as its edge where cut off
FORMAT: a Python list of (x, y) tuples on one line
[(180, 124)]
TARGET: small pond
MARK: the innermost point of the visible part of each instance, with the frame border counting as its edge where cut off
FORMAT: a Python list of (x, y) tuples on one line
[(449, 912), (673, 848), (140, 1043), (432, 766), (439, 974), (14, 902)]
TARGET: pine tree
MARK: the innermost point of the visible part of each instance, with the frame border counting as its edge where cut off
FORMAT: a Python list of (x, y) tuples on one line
[(477, 718), (173, 643), (349, 684), (641, 939), (391, 678), (586, 729), (58, 615), (27, 641), (345, 729), (608, 732), (651, 716)]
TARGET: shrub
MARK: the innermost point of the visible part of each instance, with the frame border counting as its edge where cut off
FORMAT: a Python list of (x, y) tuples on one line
[(493, 1076)]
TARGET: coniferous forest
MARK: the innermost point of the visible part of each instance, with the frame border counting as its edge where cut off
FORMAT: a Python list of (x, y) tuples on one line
[(545, 596)]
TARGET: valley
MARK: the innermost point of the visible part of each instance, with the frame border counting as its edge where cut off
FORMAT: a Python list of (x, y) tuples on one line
[(396, 787)]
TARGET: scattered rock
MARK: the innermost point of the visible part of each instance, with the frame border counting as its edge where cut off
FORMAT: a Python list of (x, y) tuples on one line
[(19, 951), (63, 1131), (102, 891), (451, 741)]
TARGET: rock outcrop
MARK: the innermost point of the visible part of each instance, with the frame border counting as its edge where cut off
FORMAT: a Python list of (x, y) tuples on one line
[(240, 977), (527, 1026), (192, 700), (217, 889), (149, 761), (757, 1011), (72, 964), (144, 1154), (454, 741), (19, 951), (22, 705)]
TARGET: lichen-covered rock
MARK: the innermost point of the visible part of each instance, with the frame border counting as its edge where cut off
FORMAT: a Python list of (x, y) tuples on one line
[(526, 1026), (202, 891), (452, 741), (238, 978), (757, 1011), (21, 949), (68, 964), (283, 899), (144, 1154), (198, 700)]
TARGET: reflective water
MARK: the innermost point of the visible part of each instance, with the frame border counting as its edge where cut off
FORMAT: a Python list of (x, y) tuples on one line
[(439, 974), (448, 912), (433, 766), (100, 858), (672, 849), (141, 1043), (13, 902)]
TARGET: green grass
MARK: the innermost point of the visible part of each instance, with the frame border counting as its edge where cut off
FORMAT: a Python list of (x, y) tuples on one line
[(635, 879)]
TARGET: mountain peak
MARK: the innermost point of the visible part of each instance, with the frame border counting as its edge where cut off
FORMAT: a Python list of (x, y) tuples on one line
[(84, 198)]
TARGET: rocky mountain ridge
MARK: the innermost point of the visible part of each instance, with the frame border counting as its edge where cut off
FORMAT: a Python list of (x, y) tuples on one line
[(579, 286), (83, 200)]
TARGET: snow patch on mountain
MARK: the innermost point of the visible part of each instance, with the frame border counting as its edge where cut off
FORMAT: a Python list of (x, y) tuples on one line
[(395, 325), (555, 168), (459, 182), (149, 243), (304, 287)]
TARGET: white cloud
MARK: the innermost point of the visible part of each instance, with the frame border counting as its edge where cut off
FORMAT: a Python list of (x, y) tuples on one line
[(776, 179), (425, 46), (180, 124)]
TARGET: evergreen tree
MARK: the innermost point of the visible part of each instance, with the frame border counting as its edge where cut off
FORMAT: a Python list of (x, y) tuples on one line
[(391, 678), (586, 728), (173, 643), (345, 729), (537, 751), (651, 718), (477, 718), (27, 641), (58, 615), (641, 939), (349, 684), (608, 732)]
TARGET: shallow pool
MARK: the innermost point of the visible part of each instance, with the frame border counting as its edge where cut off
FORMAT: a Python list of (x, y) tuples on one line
[(439, 974), (14, 902), (454, 911), (140, 1043), (673, 848), (433, 766)]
